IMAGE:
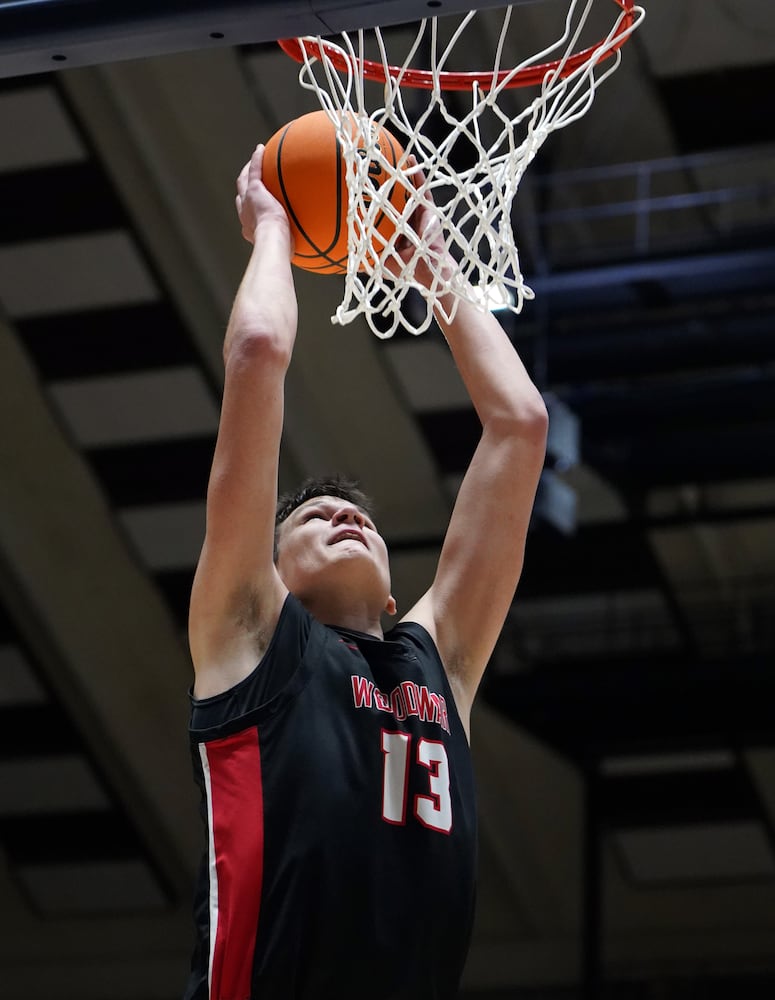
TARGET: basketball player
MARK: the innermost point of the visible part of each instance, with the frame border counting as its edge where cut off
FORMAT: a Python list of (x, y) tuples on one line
[(337, 789)]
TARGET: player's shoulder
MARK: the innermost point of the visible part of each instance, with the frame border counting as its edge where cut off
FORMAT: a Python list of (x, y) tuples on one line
[(414, 633)]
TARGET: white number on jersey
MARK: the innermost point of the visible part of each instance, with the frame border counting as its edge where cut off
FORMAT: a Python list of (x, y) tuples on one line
[(433, 810)]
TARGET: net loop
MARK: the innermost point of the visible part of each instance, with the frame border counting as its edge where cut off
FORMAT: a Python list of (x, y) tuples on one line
[(463, 180)]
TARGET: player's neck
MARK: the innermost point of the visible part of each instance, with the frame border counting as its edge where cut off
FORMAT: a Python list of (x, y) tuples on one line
[(353, 616)]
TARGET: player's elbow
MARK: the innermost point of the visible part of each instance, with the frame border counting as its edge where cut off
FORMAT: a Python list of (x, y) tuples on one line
[(258, 347), (536, 415), (527, 418)]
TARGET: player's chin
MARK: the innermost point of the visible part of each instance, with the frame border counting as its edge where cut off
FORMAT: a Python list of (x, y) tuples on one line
[(349, 548)]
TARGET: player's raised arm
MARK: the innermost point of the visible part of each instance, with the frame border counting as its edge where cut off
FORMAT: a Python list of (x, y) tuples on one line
[(237, 594), (482, 555)]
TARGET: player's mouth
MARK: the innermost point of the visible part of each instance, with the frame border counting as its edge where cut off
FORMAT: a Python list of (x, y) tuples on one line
[(342, 536)]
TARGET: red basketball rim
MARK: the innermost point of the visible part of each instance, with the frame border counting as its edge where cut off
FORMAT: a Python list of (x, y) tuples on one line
[(422, 79)]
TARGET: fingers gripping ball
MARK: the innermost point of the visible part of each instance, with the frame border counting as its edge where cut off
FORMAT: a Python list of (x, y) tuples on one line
[(304, 168)]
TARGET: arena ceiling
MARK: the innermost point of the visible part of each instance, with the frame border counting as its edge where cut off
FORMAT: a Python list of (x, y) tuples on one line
[(624, 736)]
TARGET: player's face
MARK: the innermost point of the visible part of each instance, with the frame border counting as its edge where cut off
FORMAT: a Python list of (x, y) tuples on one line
[(329, 540)]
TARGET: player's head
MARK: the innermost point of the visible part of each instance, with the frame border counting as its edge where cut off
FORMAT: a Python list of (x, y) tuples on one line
[(325, 538), (331, 486)]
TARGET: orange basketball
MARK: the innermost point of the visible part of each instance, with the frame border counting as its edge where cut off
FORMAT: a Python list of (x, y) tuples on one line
[(304, 168)]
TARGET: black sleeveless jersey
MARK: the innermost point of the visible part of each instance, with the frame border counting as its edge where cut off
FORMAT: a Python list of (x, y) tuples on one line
[(339, 807)]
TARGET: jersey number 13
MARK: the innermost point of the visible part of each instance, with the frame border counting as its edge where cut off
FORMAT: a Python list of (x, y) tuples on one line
[(433, 810)]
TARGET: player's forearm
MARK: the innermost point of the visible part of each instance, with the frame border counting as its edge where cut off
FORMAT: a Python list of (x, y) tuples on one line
[(265, 306), (493, 373)]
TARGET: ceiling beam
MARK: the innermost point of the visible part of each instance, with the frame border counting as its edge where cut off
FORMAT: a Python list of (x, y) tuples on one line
[(97, 625)]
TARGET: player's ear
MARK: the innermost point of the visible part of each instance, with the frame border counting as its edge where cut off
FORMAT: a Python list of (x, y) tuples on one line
[(391, 607)]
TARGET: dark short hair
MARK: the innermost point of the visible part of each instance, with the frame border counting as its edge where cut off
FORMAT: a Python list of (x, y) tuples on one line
[(324, 486)]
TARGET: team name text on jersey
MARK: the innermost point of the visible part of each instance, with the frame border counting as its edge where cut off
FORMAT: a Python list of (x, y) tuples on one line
[(406, 699)]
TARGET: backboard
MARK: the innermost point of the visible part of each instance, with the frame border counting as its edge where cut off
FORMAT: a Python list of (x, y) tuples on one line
[(37, 36)]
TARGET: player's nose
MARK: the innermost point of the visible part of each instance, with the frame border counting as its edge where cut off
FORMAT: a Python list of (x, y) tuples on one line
[(349, 515)]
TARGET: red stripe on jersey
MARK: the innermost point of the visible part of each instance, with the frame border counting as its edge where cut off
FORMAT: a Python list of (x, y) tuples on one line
[(236, 817)]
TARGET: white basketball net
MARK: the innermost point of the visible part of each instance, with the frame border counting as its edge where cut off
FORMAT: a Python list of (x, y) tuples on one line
[(472, 206)]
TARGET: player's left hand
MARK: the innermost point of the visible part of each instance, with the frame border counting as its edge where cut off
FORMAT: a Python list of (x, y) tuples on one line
[(426, 237)]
